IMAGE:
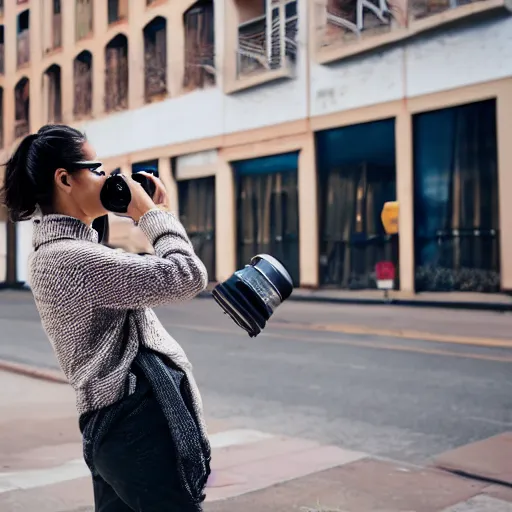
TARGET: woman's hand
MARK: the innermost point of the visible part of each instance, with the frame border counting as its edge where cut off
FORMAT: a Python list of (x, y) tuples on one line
[(141, 203), (161, 198)]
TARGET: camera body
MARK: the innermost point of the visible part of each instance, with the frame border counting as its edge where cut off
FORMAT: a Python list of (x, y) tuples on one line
[(115, 194)]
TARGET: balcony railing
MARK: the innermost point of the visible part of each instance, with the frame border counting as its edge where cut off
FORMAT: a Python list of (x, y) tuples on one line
[(342, 22), (266, 43), (424, 8), (23, 48)]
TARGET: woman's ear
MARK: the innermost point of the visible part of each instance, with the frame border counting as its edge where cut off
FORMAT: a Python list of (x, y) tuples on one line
[(62, 180)]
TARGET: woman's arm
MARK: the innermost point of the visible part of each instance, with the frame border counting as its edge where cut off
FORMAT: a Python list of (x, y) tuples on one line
[(127, 281)]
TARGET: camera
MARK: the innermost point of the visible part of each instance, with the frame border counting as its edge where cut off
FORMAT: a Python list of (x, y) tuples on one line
[(115, 194), (251, 295)]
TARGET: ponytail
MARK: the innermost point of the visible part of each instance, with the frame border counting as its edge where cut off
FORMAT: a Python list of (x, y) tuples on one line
[(19, 191), (30, 172)]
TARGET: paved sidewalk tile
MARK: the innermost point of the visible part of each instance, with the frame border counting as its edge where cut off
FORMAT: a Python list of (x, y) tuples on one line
[(490, 458), (259, 467), (481, 504), (499, 491), (62, 497), (363, 486)]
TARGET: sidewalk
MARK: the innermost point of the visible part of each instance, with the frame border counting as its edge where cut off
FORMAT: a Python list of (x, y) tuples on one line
[(42, 468), (452, 300)]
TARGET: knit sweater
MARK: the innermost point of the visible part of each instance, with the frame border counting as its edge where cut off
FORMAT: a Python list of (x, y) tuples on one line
[(95, 302)]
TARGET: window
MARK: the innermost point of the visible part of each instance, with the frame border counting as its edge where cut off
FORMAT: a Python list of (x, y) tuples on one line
[(117, 10), (197, 214), (56, 25), (199, 46), (116, 75), (22, 108), (23, 38), (355, 180), (84, 19), (267, 210), (155, 59), (52, 88), (83, 85), (456, 213)]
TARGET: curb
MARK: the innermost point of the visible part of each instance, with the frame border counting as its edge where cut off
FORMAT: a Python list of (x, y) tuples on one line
[(33, 372), (500, 307), (418, 303)]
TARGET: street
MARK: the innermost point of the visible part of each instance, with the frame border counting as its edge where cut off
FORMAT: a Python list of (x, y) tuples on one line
[(307, 377)]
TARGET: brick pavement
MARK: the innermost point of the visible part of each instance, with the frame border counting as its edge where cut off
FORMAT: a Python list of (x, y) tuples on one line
[(41, 468)]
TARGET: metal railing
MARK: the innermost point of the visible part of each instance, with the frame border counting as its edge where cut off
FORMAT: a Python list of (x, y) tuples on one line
[(268, 41)]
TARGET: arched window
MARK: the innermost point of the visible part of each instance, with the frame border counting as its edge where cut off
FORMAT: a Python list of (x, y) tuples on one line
[(116, 74), (155, 59), (22, 108), (199, 45), (83, 85), (23, 38), (53, 96)]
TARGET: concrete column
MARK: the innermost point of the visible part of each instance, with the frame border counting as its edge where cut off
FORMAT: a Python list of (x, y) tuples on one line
[(504, 122), (46, 22), (230, 43), (9, 71), (220, 52), (405, 198), (99, 16), (166, 175), (308, 214), (175, 53), (225, 220), (136, 57), (67, 89), (36, 70), (68, 26)]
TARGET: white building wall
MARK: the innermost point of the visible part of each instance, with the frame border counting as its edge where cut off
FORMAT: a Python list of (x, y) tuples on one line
[(358, 82), (443, 60), (209, 112), (460, 57)]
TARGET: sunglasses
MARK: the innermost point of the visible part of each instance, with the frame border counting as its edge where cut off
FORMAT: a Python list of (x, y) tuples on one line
[(90, 165)]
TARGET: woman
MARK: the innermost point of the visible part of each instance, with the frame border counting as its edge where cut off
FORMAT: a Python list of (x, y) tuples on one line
[(141, 417)]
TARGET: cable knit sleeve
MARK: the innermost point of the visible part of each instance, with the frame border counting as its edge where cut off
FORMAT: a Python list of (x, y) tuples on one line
[(129, 281)]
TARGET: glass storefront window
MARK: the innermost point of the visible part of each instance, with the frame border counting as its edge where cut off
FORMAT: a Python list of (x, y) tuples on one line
[(456, 199), (356, 172)]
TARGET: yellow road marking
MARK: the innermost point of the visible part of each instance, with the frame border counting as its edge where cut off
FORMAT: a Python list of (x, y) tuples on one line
[(397, 333), (354, 343)]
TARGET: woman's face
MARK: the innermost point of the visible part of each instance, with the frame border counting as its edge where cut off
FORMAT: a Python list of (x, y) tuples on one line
[(86, 185)]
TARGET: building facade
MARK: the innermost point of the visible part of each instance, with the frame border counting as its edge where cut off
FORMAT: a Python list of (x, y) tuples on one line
[(284, 125)]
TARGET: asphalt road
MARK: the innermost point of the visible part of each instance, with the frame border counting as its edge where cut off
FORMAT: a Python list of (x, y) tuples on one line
[(389, 396)]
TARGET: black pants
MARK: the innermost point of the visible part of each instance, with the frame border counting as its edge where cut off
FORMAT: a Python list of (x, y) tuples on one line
[(136, 463)]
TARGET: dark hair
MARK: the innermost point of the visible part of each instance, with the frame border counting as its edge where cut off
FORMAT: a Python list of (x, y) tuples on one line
[(31, 169)]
